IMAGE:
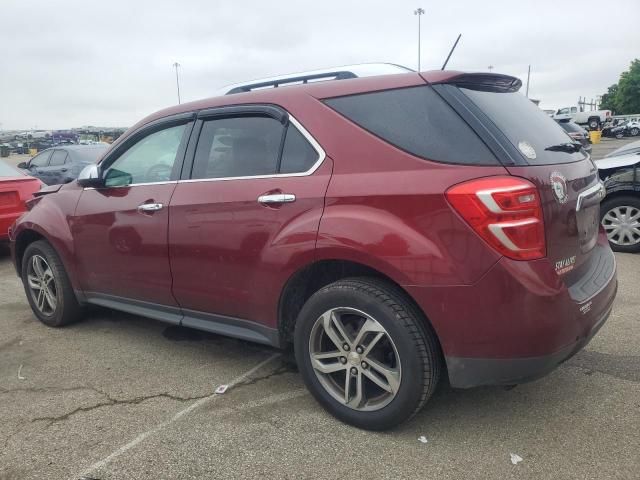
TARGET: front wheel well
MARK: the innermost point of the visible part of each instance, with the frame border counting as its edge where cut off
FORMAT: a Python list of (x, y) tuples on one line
[(24, 239), (305, 282)]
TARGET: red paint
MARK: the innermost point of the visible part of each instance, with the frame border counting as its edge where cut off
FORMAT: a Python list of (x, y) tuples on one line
[(14, 192)]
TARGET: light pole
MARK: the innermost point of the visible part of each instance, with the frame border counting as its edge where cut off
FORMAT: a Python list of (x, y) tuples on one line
[(176, 65), (490, 67), (419, 12)]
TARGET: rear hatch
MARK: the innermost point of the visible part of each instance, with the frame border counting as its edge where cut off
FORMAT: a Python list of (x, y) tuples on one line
[(533, 146)]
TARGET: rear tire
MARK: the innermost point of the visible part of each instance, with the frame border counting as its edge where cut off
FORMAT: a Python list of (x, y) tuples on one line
[(634, 131), (366, 353), (620, 217), (47, 286), (594, 123)]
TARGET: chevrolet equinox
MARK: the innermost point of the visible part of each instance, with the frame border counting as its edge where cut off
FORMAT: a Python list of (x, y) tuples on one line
[(393, 228)]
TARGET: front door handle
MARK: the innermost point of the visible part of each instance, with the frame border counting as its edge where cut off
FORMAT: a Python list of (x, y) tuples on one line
[(277, 198), (150, 207)]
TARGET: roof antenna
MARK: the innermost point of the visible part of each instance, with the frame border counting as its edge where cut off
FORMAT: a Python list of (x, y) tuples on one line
[(451, 51)]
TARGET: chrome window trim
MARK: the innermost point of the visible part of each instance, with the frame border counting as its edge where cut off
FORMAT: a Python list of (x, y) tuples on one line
[(133, 185), (305, 133)]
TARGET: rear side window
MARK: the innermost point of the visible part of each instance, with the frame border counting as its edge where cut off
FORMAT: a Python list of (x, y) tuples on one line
[(418, 121), (525, 125)]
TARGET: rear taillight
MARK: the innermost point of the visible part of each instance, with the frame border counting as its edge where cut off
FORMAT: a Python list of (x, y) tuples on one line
[(505, 211)]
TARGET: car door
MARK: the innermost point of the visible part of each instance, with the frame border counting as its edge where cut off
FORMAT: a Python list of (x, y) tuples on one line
[(245, 217), (38, 163), (54, 172), (120, 230)]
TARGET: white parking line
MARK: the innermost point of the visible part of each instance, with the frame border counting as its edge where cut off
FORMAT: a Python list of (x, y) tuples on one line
[(176, 417)]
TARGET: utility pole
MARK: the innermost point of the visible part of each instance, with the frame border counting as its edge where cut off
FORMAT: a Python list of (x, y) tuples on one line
[(490, 67), (528, 76), (419, 12), (176, 65)]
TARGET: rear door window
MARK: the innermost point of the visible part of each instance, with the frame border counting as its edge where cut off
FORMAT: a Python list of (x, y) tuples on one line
[(525, 125), (418, 121), (238, 147), (58, 158)]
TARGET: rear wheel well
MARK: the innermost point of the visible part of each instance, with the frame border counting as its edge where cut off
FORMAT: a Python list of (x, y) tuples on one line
[(26, 238), (304, 283)]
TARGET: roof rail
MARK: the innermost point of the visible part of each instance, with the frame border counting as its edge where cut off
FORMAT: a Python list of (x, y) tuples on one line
[(335, 73)]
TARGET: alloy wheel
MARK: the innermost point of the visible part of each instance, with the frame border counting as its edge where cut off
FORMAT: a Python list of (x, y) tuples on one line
[(355, 359), (42, 285), (622, 225)]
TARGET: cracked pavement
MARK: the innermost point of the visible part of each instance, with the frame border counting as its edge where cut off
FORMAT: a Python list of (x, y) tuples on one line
[(92, 388)]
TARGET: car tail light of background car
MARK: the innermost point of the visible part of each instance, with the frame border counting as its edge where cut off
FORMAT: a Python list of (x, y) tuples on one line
[(505, 211)]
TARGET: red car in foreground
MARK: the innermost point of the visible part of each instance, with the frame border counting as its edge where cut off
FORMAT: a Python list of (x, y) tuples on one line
[(392, 228), (15, 189)]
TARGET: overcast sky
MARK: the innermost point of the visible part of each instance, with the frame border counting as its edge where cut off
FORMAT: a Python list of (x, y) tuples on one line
[(72, 63)]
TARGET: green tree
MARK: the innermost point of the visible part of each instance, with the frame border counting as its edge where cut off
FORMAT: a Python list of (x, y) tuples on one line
[(608, 100), (624, 97)]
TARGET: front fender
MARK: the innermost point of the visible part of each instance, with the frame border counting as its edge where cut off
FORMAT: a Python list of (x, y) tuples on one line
[(50, 219)]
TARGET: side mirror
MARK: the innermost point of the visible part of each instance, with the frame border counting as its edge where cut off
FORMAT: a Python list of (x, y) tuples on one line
[(90, 177), (23, 165)]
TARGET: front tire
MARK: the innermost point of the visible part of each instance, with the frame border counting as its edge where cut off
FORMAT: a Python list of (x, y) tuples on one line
[(620, 217), (47, 286), (366, 353)]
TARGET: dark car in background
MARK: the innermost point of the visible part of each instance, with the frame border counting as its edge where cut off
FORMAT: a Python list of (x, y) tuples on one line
[(577, 133), (62, 164)]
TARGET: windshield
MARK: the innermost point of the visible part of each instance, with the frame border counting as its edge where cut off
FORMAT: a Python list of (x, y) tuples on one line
[(525, 125)]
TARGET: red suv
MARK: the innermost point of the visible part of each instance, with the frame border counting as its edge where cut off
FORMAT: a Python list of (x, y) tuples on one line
[(392, 228)]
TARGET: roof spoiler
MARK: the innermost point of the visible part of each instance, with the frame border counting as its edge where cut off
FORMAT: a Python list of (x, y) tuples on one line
[(488, 82)]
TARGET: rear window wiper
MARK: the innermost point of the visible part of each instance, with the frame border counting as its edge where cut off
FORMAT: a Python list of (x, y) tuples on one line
[(569, 147)]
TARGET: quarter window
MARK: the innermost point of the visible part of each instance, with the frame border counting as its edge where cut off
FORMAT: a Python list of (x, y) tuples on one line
[(297, 154), (418, 121), (149, 160)]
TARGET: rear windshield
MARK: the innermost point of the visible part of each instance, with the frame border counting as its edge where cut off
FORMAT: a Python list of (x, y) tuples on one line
[(8, 171), (88, 155), (418, 121), (527, 127)]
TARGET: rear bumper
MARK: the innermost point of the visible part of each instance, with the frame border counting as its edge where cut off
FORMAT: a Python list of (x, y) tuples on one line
[(520, 320), (476, 372)]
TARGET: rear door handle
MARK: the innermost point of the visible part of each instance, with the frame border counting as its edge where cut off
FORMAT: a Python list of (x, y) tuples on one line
[(150, 207), (277, 198)]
